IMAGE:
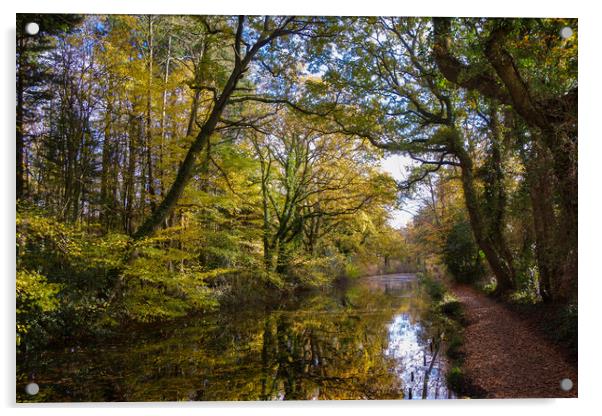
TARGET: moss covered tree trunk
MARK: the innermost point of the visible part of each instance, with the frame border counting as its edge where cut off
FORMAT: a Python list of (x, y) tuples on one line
[(552, 122), (492, 243)]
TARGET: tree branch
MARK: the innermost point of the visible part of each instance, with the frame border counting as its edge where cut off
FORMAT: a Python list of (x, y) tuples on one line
[(459, 73)]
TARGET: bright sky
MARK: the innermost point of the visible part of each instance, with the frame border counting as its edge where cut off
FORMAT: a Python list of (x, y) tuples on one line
[(397, 166)]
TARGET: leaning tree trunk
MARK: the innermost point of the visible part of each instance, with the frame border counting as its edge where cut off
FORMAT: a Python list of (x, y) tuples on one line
[(185, 171), (241, 64), (490, 243)]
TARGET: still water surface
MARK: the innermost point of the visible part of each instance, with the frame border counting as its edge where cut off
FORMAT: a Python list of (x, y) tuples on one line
[(370, 340)]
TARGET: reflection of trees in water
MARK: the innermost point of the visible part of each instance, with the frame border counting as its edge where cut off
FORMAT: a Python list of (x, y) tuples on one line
[(326, 346), (332, 356)]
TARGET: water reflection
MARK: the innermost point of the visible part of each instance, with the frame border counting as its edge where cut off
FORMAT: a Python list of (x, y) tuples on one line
[(368, 341), (414, 360)]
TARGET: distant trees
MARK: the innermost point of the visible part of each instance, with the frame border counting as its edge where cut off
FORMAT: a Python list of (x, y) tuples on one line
[(461, 255), (34, 81), (311, 183)]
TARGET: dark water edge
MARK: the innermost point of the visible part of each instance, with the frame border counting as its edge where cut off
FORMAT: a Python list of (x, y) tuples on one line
[(367, 340)]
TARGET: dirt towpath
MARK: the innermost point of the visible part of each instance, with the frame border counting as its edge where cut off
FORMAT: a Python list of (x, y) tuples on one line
[(505, 357)]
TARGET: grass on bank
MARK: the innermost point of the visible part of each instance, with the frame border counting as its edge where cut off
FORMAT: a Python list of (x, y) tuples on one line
[(447, 313)]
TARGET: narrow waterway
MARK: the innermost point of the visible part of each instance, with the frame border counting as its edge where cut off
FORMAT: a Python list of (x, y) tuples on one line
[(369, 340)]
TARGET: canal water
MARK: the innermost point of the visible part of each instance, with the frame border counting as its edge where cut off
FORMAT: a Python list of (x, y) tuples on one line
[(372, 339)]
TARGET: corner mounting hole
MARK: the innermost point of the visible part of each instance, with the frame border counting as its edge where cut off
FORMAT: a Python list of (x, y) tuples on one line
[(32, 389), (566, 384), (32, 28), (566, 32)]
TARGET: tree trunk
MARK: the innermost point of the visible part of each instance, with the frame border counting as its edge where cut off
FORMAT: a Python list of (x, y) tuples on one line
[(544, 222), (552, 121), (563, 150), (106, 201), (149, 139), (193, 112), (282, 260), (504, 273), (163, 116), (129, 185), (186, 168), (495, 193), (267, 254)]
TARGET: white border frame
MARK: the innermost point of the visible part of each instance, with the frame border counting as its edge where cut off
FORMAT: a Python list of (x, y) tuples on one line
[(590, 201)]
